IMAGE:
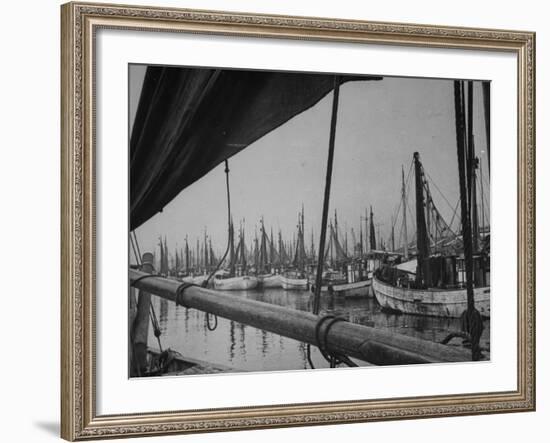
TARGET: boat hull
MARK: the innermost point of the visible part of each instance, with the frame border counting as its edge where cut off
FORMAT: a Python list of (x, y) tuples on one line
[(297, 284), (271, 281), (198, 280), (242, 283), (356, 289), (430, 302)]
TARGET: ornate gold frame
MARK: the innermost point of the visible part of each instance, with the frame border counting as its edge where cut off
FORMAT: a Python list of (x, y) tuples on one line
[(79, 420)]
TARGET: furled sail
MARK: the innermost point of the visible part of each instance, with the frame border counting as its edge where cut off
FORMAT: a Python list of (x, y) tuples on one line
[(189, 120)]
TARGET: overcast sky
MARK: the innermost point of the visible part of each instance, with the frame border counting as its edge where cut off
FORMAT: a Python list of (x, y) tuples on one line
[(380, 125)]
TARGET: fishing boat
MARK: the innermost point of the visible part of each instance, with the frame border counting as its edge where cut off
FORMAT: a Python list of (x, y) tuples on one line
[(433, 284), (236, 277), (351, 277), (267, 260), (270, 280), (224, 282), (295, 278), (434, 302)]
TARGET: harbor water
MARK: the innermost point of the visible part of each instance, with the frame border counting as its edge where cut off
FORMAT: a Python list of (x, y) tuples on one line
[(244, 348)]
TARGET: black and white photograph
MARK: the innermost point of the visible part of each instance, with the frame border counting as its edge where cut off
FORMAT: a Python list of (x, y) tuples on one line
[(302, 220)]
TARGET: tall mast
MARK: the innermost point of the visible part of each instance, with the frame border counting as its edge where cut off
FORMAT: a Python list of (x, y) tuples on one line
[(423, 268), (392, 236), (465, 215), (367, 247), (186, 255), (360, 238), (372, 238), (471, 162), (271, 248), (312, 245), (335, 225), (404, 205), (231, 248), (482, 196), (263, 246), (461, 148), (205, 248)]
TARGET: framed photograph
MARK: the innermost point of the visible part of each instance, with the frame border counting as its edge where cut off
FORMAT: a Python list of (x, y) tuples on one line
[(282, 221)]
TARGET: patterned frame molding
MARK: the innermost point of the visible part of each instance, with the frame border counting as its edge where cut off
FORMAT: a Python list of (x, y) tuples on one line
[(80, 21)]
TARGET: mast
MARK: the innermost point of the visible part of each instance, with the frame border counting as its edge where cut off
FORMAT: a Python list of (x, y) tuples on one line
[(392, 237), (198, 254), (404, 204), (271, 248), (466, 229), (482, 197), (360, 238), (211, 253), (423, 268), (312, 245), (471, 165), (186, 255), (346, 242), (336, 226), (367, 231), (372, 238), (231, 249), (165, 249), (205, 248), (263, 246)]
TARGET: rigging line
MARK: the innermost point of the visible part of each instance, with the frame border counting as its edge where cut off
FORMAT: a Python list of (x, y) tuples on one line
[(454, 213), (205, 283), (137, 243), (155, 323), (138, 261), (439, 190), (401, 200)]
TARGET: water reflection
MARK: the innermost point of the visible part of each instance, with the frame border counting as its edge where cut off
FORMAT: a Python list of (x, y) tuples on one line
[(249, 349)]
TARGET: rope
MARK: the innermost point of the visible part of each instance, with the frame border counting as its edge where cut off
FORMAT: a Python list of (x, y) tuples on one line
[(180, 293), (207, 321), (205, 282), (321, 336), (143, 277), (156, 327)]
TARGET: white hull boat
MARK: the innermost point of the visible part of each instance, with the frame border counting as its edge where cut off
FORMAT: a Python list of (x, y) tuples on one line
[(197, 280), (241, 283), (355, 289), (291, 283), (433, 302), (270, 281)]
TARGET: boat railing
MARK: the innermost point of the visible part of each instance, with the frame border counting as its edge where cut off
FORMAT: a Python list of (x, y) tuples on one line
[(365, 343)]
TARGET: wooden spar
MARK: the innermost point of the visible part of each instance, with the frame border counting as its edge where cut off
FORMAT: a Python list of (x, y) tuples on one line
[(358, 341), (140, 329), (422, 239), (404, 204), (471, 164), (487, 113), (330, 160), (461, 154)]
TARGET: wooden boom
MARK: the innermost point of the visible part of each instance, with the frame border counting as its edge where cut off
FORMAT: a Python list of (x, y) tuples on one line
[(362, 342)]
